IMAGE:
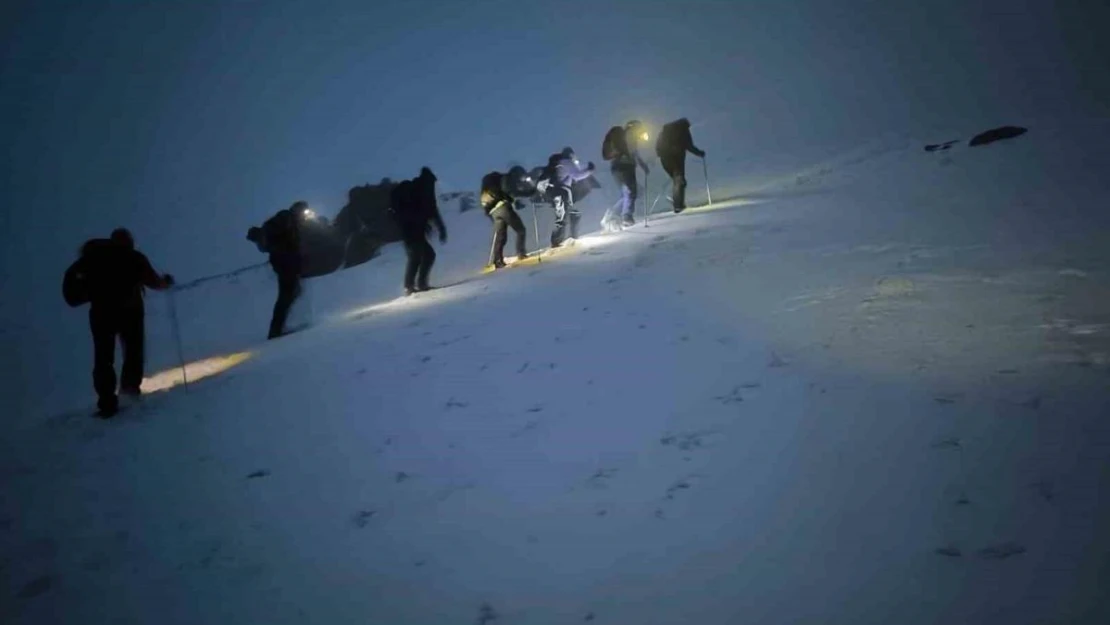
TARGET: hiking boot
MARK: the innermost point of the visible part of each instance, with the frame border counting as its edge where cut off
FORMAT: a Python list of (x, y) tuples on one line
[(107, 410), (409, 291), (628, 221)]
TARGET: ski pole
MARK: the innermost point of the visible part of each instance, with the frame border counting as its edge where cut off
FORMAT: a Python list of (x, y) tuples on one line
[(177, 338), (705, 170)]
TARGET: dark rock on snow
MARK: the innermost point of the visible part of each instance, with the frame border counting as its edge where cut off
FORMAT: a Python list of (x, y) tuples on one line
[(997, 134)]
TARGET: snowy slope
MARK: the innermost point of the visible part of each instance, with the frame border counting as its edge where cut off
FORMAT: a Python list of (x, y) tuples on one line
[(872, 394)]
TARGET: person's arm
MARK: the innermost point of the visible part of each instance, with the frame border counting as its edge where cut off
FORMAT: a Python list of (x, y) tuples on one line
[(693, 149), (577, 173), (437, 219), (150, 278)]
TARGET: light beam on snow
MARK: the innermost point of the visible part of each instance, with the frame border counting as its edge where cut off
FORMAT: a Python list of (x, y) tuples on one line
[(734, 203), (197, 370), (413, 302)]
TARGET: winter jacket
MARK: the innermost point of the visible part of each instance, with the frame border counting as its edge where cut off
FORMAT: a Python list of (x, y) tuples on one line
[(414, 205), (630, 156), (675, 139), (282, 233), (568, 171), (494, 191), (114, 275)]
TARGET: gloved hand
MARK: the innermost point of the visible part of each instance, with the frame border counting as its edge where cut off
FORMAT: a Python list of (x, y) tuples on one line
[(169, 280), (701, 153), (442, 236), (518, 205), (590, 166)]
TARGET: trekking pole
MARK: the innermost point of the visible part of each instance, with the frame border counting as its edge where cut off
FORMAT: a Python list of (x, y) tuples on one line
[(659, 196), (705, 170), (177, 338), (535, 225), (492, 245)]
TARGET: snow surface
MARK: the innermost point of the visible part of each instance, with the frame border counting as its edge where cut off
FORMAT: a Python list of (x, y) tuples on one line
[(875, 391)]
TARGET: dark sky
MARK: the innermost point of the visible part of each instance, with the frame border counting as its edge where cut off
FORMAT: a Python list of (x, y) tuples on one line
[(190, 121)]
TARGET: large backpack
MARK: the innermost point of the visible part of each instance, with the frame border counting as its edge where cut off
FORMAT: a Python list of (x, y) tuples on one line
[(614, 144), (75, 285), (549, 169)]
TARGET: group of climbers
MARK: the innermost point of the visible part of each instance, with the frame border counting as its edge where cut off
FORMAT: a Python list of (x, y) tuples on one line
[(111, 274)]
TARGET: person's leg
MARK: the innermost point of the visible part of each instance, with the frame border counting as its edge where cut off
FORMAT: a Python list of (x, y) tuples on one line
[(500, 227), (288, 289), (678, 180), (133, 338), (517, 225), (500, 235), (628, 208), (559, 199), (427, 260), (103, 325), (413, 249)]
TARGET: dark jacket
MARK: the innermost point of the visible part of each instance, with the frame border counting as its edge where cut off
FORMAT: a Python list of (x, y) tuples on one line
[(495, 190), (414, 205), (628, 152), (114, 275), (282, 233), (675, 139)]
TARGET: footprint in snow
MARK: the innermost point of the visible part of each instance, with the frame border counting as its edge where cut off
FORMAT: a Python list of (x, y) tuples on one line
[(733, 397), (453, 403), (1002, 551), (687, 440), (401, 476), (947, 443), (257, 474), (685, 483), (486, 614), (601, 477), (950, 551), (528, 427), (776, 362), (362, 518)]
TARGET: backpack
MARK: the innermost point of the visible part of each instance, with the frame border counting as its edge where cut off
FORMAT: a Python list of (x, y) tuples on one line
[(614, 144), (549, 169), (75, 285)]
